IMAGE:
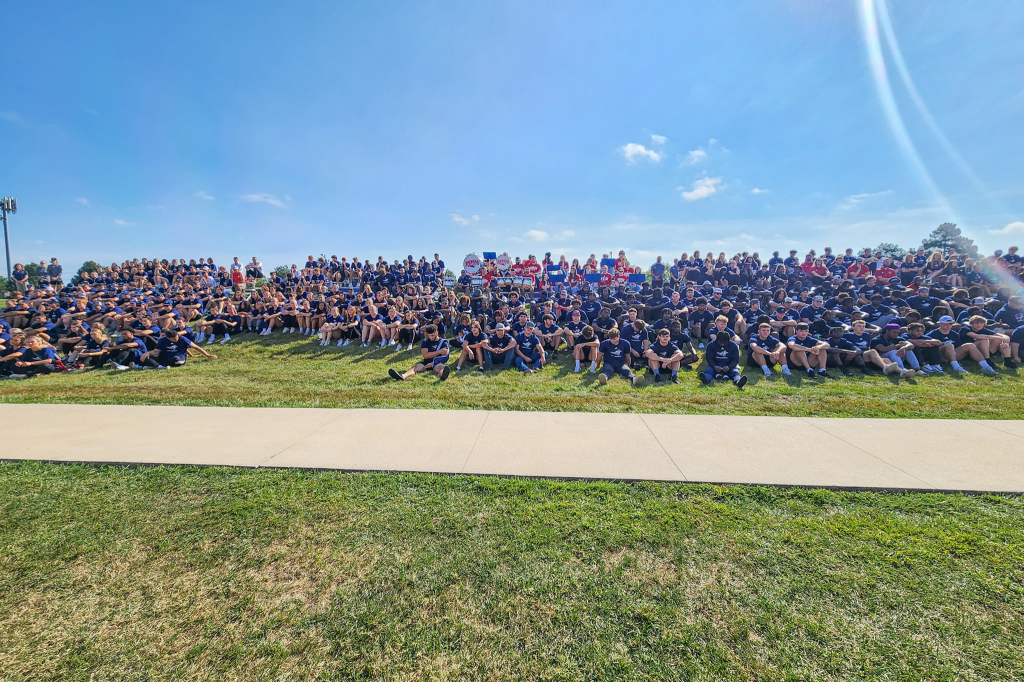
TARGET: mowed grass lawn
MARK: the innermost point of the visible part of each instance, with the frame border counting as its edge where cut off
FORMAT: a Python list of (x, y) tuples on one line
[(112, 573), (294, 371)]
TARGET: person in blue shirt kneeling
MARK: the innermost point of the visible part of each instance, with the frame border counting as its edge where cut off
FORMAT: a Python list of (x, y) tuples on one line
[(723, 358)]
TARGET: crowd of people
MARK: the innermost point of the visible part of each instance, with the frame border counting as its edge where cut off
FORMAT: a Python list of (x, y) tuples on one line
[(910, 315)]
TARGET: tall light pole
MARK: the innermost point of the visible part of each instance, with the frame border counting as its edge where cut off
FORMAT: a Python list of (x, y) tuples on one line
[(8, 205)]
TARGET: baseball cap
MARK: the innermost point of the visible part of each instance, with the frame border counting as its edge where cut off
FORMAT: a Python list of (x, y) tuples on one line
[(945, 319), (979, 301), (817, 298), (716, 290), (999, 252), (787, 300), (499, 326), (530, 325)]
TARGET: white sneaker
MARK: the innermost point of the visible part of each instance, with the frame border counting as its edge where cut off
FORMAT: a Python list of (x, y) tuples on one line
[(227, 337), (938, 369), (908, 374), (890, 368), (767, 371), (343, 344), (119, 368), (785, 370)]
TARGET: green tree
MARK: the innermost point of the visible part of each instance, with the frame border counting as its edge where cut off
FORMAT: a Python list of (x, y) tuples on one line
[(282, 270), (87, 266), (945, 236), (890, 250)]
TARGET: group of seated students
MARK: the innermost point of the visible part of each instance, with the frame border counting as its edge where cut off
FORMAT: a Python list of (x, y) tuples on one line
[(858, 314)]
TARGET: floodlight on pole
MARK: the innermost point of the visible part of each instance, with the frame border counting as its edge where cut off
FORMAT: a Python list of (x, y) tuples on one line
[(8, 205)]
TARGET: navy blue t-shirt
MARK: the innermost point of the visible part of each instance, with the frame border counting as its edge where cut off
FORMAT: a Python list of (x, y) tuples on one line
[(173, 349), (614, 354)]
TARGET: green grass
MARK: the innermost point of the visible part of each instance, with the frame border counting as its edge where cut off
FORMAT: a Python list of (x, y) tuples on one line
[(292, 371), (114, 573)]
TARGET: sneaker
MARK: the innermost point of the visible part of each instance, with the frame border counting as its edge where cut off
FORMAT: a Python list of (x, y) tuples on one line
[(578, 369), (1009, 364), (703, 378), (479, 368), (225, 340), (132, 366), (847, 372), (119, 368), (988, 370), (810, 371), (822, 373), (395, 375), (602, 379), (674, 379), (700, 345), (18, 377), (741, 382), (347, 341), (786, 371), (593, 367), (445, 371), (960, 370), (908, 374), (527, 371), (938, 369), (638, 379), (767, 371), (554, 355), (657, 378), (890, 368)]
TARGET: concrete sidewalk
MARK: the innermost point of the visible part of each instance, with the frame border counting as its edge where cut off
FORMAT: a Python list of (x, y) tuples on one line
[(855, 453)]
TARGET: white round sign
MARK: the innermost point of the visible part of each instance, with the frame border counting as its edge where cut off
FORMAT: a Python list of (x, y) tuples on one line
[(503, 262), (472, 264)]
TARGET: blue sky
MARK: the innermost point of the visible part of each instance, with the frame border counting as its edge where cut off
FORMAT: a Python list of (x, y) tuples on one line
[(280, 130)]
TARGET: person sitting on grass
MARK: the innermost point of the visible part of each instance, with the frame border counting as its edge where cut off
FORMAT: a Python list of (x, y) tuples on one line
[(841, 352), (173, 349), (39, 358), (615, 353), (891, 347), (499, 346), (95, 349), (131, 353), (986, 340), (408, 330), (924, 350), (766, 351), (473, 346), (806, 351), (723, 359), (1016, 338), (953, 348), (684, 343), (585, 348), (550, 335), (529, 353), (663, 354), (435, 352), (373, 326)]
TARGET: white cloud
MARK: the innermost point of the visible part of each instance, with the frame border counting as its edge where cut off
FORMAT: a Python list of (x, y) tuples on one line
[(536, 235), (11, 116), (701, 189), (263, 198), (203, 195), (1013, 228), (122, 223), (567, 233), (659, 139), (758, 191), (633, 151), (695, 157), (474, 217), (82, 200), (456, 218), (855, 199)]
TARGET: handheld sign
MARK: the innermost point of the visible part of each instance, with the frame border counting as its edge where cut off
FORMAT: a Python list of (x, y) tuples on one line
[(557, 278), (610, 262), (592, 277), (503, 262), (476, 281), (472, 264), (490, 255), (638, 278), (553, 268)]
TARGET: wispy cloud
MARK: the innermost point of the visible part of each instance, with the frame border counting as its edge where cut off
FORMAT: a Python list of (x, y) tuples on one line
[(634, 152), (474, 217), (122, 223), (82, 200), (264, 198), (695, 157), (1013, 228), (856, 199), (203, 195), (757, 190), (536, 236), (456, 218), (701, 189), (659, 139), (11, 116)]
